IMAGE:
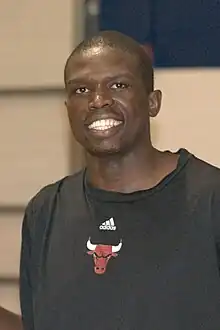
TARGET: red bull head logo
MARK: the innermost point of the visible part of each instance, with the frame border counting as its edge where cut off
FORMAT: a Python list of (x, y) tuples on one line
[(102, 254)]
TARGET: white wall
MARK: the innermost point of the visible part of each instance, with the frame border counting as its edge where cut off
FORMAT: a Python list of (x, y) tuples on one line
[(36, 38), (34, 145), (190, 113)]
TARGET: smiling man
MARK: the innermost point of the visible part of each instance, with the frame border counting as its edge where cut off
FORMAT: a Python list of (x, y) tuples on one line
[(132, 241)]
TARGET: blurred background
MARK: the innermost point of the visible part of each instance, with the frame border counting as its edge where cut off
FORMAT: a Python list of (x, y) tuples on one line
[(36, 147)]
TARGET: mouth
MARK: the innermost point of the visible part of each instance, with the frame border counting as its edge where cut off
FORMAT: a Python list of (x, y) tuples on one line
[(104, 125)]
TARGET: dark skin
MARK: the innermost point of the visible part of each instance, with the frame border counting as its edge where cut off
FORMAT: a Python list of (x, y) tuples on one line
[(9, 320), (106, 83)]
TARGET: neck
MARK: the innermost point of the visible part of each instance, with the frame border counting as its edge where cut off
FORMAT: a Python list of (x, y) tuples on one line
[(135, 171)]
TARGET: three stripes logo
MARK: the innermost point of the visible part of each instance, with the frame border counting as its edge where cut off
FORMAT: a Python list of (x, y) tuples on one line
[(108, 225)]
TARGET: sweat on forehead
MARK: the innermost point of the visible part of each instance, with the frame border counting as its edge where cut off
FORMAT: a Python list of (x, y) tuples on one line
[(118, 41)]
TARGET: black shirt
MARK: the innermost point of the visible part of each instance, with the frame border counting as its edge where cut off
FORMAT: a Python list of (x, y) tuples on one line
[(94, 259)]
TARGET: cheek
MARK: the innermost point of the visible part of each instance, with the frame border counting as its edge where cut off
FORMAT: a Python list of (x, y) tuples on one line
[(76, 112), (138, 115), (75, 119)]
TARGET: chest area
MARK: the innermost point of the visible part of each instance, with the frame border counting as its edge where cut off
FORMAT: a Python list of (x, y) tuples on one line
[(123, 259), (118, 238)]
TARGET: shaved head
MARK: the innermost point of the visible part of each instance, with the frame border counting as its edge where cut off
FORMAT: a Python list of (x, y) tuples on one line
[(116, 41)]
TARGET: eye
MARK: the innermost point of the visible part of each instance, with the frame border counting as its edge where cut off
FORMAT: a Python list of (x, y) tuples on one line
[(81, 90), (119, 86)]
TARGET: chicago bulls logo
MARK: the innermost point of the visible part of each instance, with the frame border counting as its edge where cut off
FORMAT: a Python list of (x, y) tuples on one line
[(102, 254)]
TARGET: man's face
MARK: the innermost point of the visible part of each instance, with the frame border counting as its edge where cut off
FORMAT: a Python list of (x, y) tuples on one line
[(107, 101)]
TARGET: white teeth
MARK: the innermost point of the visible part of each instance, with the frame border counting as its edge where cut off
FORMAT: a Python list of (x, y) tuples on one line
[(104, 124)]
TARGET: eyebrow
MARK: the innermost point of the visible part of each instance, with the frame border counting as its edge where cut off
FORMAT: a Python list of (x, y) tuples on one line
[(75, 80)]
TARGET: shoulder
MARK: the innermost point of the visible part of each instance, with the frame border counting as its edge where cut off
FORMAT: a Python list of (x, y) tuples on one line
[(202, 173), (48, 193), (203, 183), (44, 201)]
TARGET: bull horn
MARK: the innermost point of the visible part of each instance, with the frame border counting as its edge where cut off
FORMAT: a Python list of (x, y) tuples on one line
[(90, 246), (117, 247)]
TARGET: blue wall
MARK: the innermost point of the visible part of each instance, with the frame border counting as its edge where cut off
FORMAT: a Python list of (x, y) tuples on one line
[(183, 33)]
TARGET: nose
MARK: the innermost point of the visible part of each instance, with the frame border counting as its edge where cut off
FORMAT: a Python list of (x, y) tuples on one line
[(99, 270), (100, 100)]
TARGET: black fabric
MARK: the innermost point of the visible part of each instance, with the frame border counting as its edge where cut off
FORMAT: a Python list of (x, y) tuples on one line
[(164, 277)]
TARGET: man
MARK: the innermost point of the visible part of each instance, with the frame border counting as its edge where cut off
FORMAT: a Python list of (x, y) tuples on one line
[(131, 242), (9, 320)]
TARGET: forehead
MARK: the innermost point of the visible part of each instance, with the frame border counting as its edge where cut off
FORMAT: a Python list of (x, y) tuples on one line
[(101, 61)]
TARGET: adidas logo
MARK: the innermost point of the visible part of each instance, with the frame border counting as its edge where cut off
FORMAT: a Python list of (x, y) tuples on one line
[(108, 225)]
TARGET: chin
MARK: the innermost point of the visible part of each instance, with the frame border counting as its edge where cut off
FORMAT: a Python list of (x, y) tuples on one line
[(102, 152)]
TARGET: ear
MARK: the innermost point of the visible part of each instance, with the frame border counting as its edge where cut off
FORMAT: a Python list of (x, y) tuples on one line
[(154, 99)]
